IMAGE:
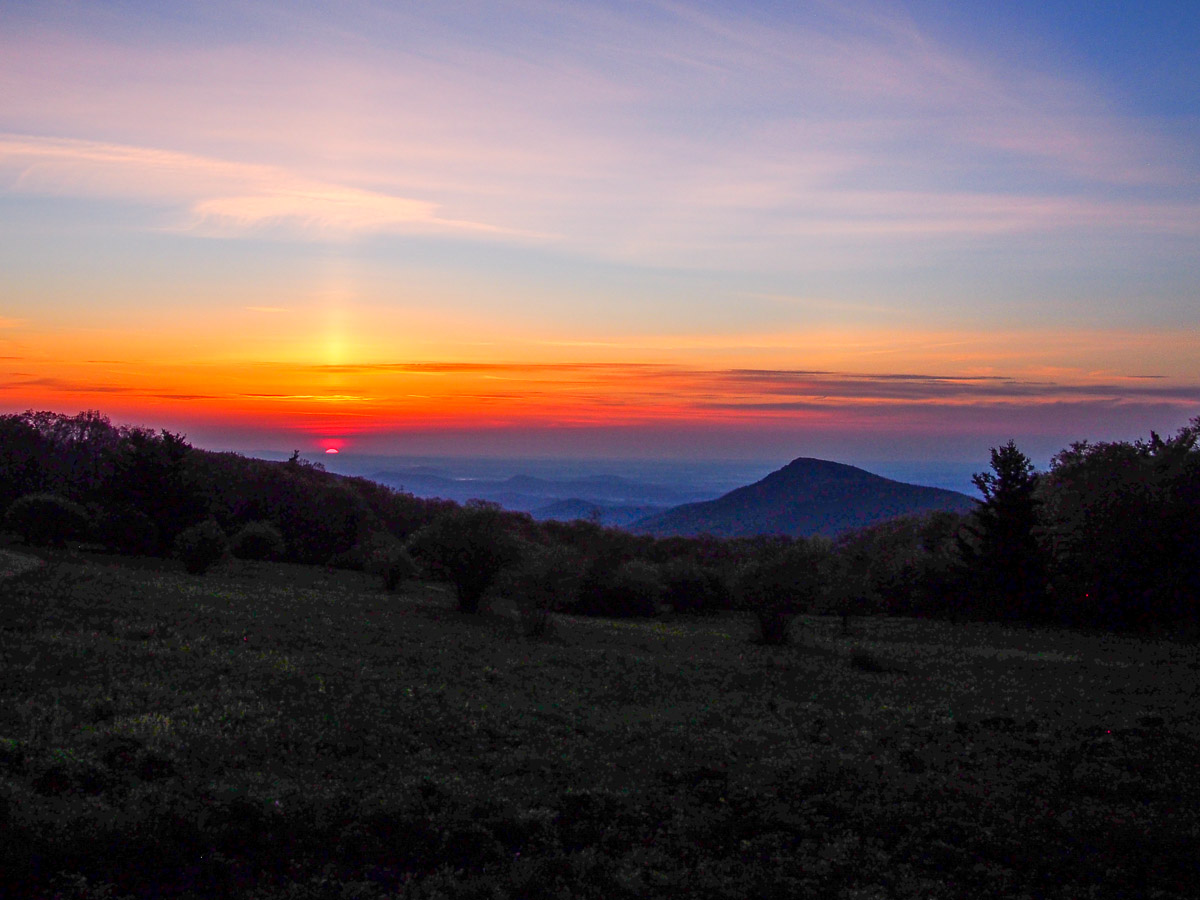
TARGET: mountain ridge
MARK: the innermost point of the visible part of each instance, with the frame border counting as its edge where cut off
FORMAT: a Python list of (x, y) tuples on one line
[(806, 497)]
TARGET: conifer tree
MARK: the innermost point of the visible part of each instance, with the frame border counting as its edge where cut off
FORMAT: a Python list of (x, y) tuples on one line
[(1004, 559)]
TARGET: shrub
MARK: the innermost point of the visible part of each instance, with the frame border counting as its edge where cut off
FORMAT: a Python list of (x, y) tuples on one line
[(354, 559), (320, 519), (46, 519), (547, 579), (692, 588), (774, 625), (386, 557), (632, 588), (784, 582), (468, 547), (130, 531), (201, 546), (257, 540), (534, 617)]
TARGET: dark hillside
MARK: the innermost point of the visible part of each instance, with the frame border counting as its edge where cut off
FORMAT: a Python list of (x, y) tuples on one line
[(806, 497), (136, 490), (319, 513)]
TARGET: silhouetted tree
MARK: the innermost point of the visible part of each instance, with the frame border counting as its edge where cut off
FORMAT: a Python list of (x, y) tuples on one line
[(468, 547), (904, 566), (1000, 550), (787, 579), (201, 546), (148, 475), (1125, 530), (257, 540), (23, 454), (48, 451)]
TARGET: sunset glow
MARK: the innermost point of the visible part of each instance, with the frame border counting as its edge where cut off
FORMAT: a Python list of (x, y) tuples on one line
[(722, 229)]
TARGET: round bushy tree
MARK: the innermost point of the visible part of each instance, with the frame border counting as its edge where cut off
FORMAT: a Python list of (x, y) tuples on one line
[(257, 540), (546, 580), (201, 546), (468, 547), (783, 583), (46, 520)]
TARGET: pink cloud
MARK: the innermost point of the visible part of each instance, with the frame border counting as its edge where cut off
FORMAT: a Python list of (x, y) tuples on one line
[(215, 193), (426, 122)]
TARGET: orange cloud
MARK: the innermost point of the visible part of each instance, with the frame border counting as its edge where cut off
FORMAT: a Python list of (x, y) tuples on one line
[(376, 398)]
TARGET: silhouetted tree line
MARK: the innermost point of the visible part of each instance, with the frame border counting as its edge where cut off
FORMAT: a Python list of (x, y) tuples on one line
[(1108, 537)]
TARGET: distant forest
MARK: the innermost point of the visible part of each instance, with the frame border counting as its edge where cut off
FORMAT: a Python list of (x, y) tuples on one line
[(1108, 538)]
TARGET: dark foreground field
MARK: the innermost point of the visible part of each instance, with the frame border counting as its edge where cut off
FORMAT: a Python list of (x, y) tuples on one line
[(274, 731)]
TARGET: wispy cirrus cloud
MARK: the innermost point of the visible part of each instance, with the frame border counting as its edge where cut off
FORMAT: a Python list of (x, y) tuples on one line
[(839, 123), (214, 195)]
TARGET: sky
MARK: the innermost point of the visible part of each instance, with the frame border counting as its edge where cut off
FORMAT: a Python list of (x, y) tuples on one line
[(857, 230)]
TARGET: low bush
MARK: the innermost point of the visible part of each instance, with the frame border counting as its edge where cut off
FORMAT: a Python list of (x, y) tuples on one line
[(353, 560), (129, 531), (257, 540), (386, 557), (774, 625), (547, 579), (629, 589), (691, 588), (201, 546), (46, 520)]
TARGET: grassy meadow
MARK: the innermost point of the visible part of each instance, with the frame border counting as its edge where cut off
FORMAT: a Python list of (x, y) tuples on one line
[(271, 730)]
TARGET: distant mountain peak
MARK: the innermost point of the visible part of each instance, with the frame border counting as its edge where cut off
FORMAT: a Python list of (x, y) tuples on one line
[(806, 497)]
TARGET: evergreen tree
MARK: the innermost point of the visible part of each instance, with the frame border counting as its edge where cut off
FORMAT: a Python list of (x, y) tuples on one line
[(1004, 560)]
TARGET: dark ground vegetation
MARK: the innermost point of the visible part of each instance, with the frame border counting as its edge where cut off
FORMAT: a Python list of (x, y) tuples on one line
[(372, 695), (273, 730)]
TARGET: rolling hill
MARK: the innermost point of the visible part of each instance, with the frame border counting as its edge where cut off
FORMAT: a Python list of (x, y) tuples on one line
[(614, 516), (618, 501), (806, 497)]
